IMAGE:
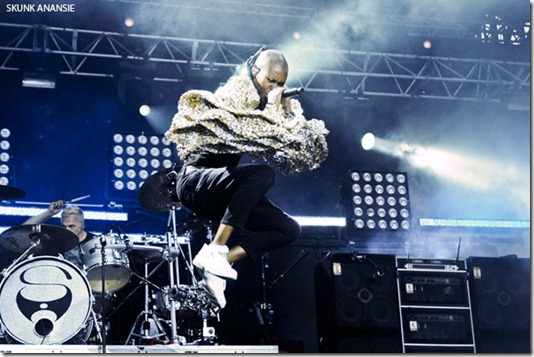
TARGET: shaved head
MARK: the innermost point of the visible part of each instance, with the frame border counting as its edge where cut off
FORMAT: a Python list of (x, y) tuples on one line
[(271, 58)]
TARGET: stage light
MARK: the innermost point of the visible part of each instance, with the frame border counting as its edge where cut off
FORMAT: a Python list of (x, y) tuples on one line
[(130, 139), (452, 166), (369, 206), (88, 214), (320, 221), (144, 110), (129, 22), (6, 175), (427, 44), (38, 80), (473, 223), (143, 162), (368, 141), (136, 158), (496, 31), (118, 138)]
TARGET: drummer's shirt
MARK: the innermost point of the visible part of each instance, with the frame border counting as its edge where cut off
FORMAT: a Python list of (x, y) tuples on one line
[(75, 254)]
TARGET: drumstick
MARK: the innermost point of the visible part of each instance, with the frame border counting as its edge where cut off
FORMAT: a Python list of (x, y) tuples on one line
[(78, 199)]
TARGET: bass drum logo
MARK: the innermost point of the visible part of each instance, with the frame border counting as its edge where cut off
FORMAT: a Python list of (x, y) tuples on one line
[(45, 300)]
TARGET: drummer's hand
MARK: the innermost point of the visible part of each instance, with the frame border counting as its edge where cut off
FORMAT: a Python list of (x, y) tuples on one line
[(57, 206)]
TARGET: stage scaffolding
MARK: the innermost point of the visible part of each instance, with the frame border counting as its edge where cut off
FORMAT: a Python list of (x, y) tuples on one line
[(356, 74)]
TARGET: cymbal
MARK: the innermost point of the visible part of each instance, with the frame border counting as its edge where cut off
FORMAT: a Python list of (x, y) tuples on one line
[(10, 193), (158, 192), (51, 239)]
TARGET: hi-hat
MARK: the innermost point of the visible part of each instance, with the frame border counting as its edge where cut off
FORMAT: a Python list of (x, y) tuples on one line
[(10, 193), (158, 192), (51, 239)]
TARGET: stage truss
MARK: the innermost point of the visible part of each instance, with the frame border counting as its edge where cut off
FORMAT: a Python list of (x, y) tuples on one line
[(79, 52)]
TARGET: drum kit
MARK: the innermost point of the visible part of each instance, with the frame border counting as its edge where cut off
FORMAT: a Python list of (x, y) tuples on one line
[(46, 299)]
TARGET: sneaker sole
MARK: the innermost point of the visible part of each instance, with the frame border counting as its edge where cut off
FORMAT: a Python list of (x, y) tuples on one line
[(202, 271)]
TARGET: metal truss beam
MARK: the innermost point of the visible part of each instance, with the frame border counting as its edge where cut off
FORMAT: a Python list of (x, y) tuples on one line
[(108, 54)]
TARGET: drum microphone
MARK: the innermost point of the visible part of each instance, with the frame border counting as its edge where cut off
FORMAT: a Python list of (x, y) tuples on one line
[(291, 92)]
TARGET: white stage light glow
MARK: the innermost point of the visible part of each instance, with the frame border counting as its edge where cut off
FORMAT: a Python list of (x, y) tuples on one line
[(466, 169), (144, 110), (320, 221), (129, 22), (88, 214), (368, 141)]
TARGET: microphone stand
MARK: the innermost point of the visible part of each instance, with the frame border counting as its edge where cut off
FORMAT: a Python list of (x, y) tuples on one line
[(103, 252), (297, 259)]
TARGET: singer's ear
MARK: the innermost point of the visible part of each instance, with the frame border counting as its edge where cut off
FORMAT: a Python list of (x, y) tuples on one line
[(255, 70)]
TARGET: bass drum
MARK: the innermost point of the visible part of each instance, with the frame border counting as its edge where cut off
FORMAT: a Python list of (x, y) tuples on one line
[(45, 300)]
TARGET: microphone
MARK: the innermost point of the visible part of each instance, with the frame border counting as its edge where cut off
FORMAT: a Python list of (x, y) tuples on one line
[(291, 92)]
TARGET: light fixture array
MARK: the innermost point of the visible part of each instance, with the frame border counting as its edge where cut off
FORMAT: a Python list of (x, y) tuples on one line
[(378, 201), (137, 157)]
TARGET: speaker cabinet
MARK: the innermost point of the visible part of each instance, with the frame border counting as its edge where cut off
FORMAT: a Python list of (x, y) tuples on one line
[(357, 306), (500, 294)]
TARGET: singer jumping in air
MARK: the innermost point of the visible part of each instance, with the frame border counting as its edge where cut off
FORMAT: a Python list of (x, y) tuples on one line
[(249, 115)]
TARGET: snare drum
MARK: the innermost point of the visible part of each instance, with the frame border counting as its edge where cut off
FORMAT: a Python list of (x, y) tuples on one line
[(45, 300), (116, 264)]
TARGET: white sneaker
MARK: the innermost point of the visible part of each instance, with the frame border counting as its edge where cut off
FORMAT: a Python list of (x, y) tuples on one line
[(214, 287), (213, 259)]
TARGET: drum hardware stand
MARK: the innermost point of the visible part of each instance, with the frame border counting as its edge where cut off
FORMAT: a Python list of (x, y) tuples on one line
[(171, 255), (127, 247), (147, 313), (103, 252), (97, 327), (22, 256), (143, 280), (208, 332), (174, 268)]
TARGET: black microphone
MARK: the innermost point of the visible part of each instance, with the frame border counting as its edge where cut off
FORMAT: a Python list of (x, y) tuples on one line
[(291, 92)]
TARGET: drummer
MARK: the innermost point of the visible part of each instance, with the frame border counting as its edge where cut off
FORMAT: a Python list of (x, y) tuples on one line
[(72, 218)]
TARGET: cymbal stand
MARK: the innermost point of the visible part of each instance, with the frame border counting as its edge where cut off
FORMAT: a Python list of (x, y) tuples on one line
[(148, 314), (103, 257), (22, 256)]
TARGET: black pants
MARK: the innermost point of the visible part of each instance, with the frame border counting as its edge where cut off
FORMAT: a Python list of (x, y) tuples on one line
[(235, 196)]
